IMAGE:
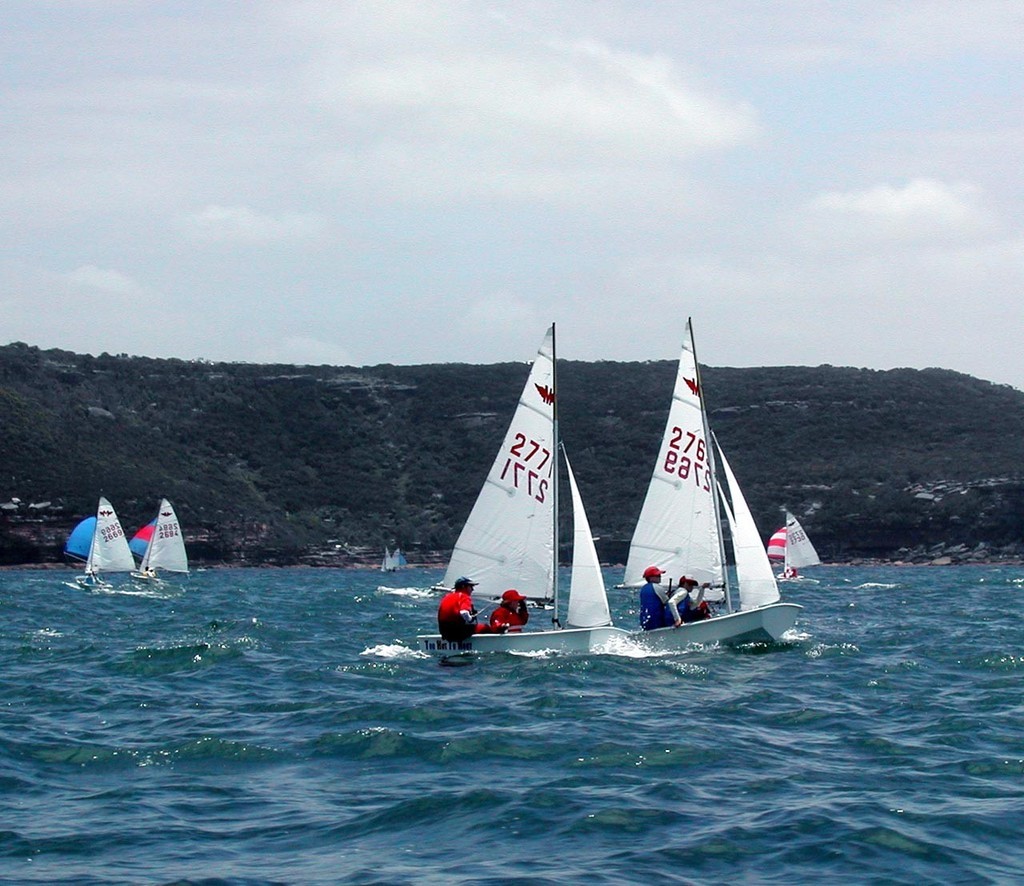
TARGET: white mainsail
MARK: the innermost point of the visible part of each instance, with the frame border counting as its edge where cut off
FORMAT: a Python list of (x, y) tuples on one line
[(166, 549), (799, 550), (757, 585), (508, 538), (109, 551), (678, 528), (588, 599)]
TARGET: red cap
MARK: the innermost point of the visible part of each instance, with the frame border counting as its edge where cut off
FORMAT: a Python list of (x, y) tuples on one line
[(512, 596), (653, 572), (686, 580)]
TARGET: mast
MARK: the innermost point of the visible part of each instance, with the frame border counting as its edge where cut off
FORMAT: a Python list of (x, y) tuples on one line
[(710, 444), (556, 444)]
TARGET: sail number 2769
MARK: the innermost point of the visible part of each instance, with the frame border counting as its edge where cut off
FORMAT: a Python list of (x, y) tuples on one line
[(524, 466), (686, 457)]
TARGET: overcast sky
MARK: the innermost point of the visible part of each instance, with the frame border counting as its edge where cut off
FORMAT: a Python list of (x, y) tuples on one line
[(423, 182)]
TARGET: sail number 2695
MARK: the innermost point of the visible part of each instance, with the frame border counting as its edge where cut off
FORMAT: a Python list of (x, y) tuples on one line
[(686, 457), (524, 466)]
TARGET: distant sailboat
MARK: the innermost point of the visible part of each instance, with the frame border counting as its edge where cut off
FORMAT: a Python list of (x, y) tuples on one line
[(160, 544), (793, 548), (393, 560), (107, 548)]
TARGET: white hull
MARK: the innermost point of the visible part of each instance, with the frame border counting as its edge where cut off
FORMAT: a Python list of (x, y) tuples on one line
[(147, 576), (764, 625), (565, 640)]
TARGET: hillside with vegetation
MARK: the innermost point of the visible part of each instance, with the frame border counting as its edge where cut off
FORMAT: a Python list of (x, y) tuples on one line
[(286, 464)]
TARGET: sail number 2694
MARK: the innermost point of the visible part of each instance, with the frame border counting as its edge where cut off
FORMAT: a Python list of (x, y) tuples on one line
[(686, 457), (524, 466)]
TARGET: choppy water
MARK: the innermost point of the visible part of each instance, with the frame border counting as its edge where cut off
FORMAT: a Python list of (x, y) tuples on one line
[(275, 726)]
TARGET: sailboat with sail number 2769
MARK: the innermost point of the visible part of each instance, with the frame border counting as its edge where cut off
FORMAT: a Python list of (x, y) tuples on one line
[(681, 529)]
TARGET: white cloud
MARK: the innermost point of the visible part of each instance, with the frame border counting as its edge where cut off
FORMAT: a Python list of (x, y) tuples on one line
[(920, 199), (244, 225), (470, 108), (614, 167), (923, 209), (105, 281)]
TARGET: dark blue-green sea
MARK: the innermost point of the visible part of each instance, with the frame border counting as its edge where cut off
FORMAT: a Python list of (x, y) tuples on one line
[(256, 726)]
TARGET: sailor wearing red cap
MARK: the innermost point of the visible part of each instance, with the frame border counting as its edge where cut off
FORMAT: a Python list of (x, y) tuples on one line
[(511, 613), (691, 609), (652, 604)]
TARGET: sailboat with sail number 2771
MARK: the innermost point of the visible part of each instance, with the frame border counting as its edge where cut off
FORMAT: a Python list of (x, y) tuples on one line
[(510, 539)]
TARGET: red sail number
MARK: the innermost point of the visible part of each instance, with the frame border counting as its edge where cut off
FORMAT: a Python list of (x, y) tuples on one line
[(523, 468), (689, 460)]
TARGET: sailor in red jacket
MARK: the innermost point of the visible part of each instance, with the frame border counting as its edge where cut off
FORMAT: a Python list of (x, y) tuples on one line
[(511, 613), (456, 616)]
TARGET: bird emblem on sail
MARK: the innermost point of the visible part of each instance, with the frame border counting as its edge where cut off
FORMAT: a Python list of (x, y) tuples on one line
[(694, 387), (546, 394), (105, 513)]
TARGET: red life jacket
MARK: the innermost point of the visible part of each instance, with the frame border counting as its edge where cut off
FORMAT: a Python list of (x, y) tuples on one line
[(450, 623), (503, 616)]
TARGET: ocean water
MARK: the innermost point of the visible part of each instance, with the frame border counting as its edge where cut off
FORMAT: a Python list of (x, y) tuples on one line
[(276, 726)]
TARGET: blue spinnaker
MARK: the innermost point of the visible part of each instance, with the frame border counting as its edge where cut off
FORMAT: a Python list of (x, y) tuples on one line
[(80, 540)]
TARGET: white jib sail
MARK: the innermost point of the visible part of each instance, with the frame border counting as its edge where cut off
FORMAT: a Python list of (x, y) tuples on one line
[(109, 551), (508, 539), (588, 599), (757, 585), (678, 529), (799, 550), (166, 549)]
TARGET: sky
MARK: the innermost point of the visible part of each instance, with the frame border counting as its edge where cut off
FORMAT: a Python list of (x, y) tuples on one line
[(352, 183)]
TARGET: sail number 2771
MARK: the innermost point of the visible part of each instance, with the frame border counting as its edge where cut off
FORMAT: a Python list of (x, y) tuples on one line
[(686, 457), (524, 466)]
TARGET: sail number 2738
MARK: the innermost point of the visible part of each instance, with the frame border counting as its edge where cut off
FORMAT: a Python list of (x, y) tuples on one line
[(524, 466), (686, 457)]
